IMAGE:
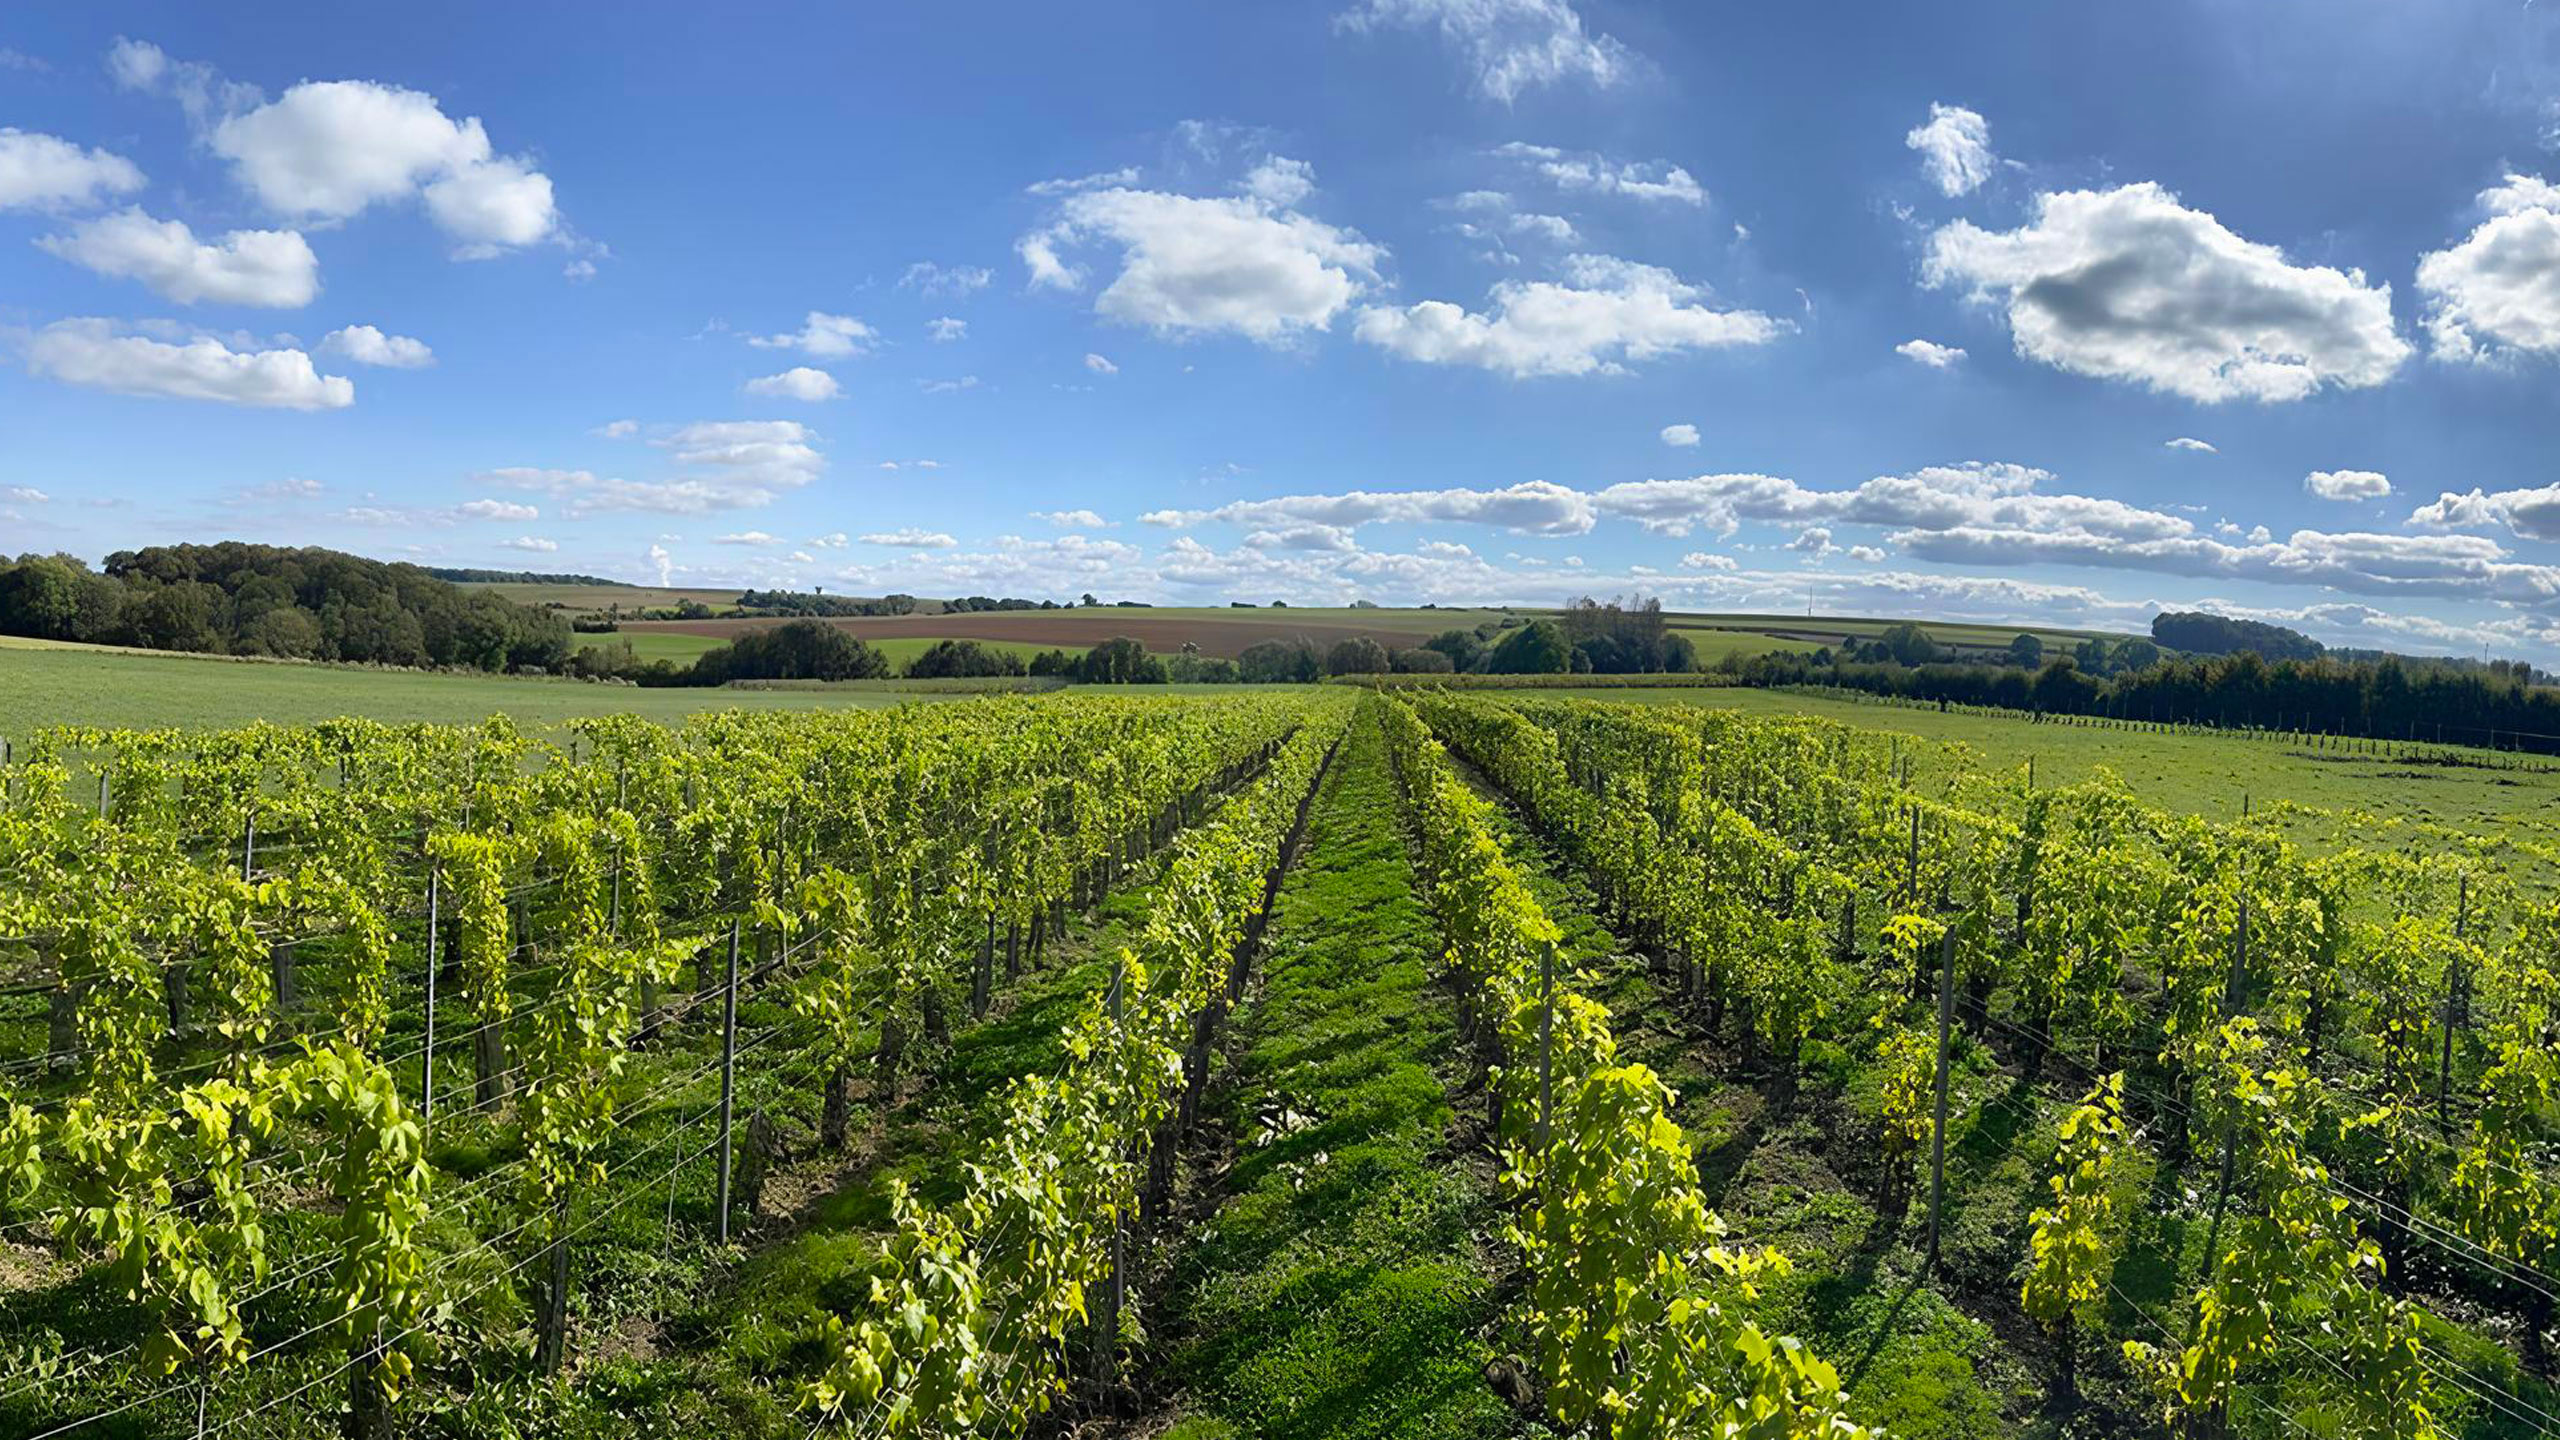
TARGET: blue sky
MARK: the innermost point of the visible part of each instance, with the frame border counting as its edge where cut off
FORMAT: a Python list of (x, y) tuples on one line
[(1917, 310)]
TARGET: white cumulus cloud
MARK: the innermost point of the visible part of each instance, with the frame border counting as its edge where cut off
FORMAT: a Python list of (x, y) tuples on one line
[(1680, 437), (367, 345), (1955, 149), (1249, 264), (330, 149), (47, 172), (272, 268), (1930, 353), (2496, 295), (533, 543), (2128, 284), (1072, 519), (911, 539), (1604, 314), (99, 354), (2532, 513), (2189, 442), (824, 335), (2346, 485), (797, 383)]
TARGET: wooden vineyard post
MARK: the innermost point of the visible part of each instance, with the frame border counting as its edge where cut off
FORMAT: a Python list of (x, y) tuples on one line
[(427, 1077), (249, 847), (2452, 990), (551, 1344), (1911, 866), (280, 968), (1546, 1046), (728, 1073), (1106, 1325), (1938, 1131), (102, 794), (982, 979), (489, 1037)]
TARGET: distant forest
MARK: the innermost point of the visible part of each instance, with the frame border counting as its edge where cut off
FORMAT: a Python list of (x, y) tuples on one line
[(512, 577), (2470, 702), (304, 604)]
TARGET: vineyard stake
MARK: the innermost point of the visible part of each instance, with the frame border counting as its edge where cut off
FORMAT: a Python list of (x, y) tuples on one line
[(1546, 1046), (249, 847), (1938, 1133), (1106, 1349), (427, 1081), (1913, 866), (2452, 988), (728, 1073)]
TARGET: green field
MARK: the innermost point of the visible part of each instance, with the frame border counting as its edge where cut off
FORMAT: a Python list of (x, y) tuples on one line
[(2335, 797), (590, 599), (1831, 629), (667, 645), (1714, 645), (902, 648), (43, 685)]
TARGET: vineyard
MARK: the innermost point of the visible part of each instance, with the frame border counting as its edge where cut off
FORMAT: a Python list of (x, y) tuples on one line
[(979, 1068)]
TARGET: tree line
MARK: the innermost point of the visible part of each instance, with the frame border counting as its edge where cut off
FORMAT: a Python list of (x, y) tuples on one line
[(1611, 640), (2393, 697), (308, 603)]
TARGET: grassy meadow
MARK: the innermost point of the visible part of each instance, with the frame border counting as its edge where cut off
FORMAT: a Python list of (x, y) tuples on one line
[(45, 684), (2318, 798)]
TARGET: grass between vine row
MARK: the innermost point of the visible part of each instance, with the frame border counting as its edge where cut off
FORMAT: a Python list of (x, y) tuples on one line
[(1345, 1282)]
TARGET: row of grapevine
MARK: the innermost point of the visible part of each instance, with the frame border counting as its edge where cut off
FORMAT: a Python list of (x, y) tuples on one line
[(579, 899), (973, 1305), (1742, 850), (1640, 1316)]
